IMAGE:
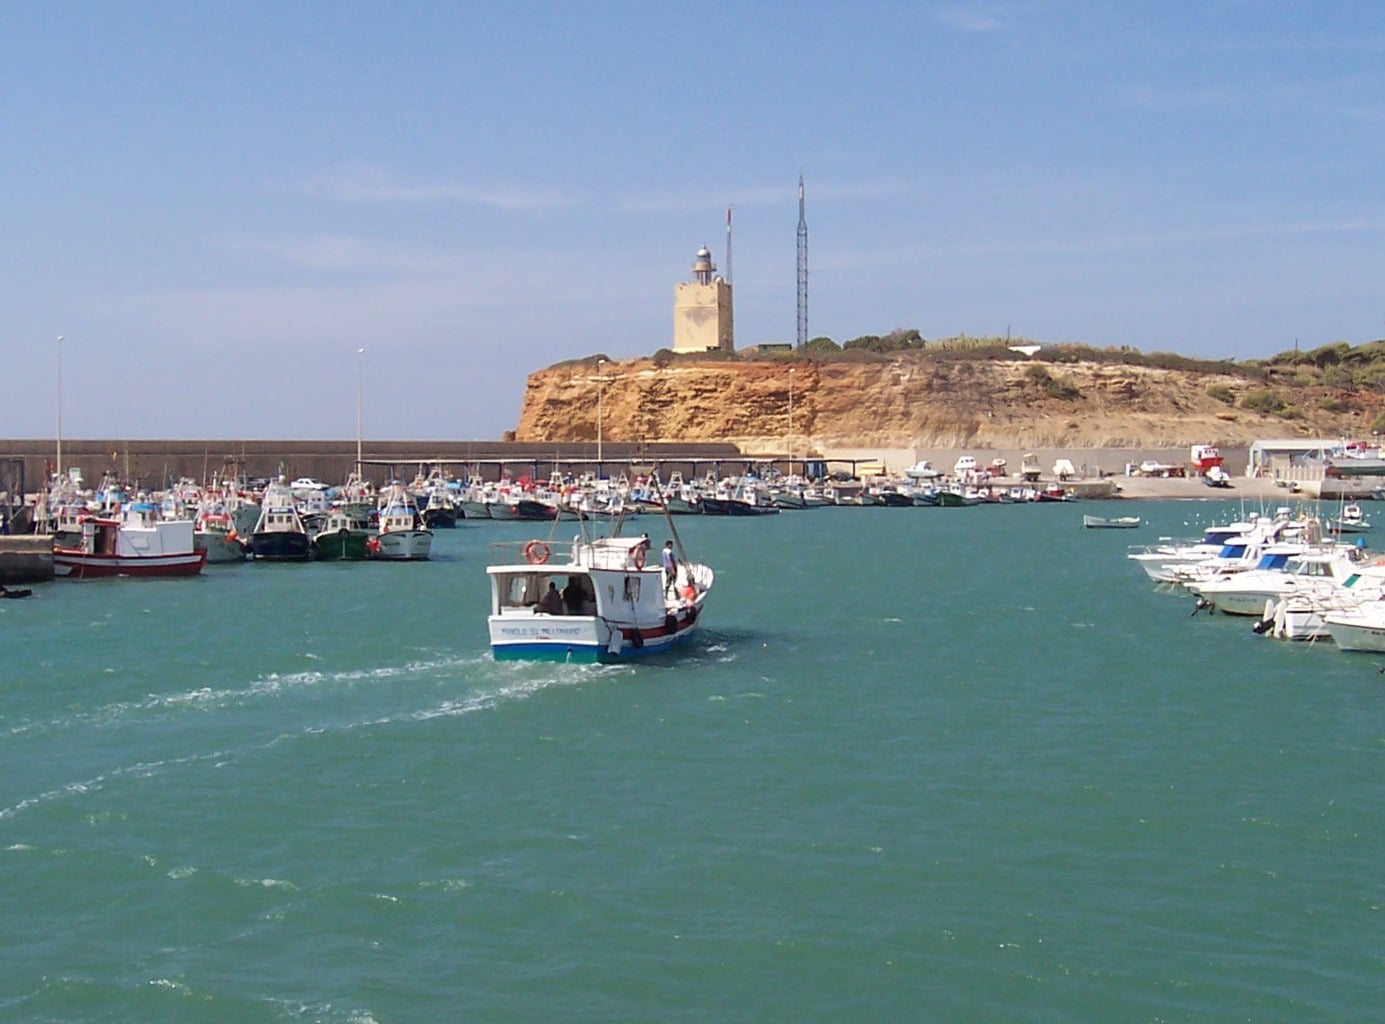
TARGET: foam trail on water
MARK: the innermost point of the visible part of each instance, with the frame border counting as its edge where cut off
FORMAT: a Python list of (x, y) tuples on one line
[(273, 684), (479, 700)]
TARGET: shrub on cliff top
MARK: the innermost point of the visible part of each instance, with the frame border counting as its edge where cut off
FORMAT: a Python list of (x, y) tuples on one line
[(1263, 401), (1053, 387)]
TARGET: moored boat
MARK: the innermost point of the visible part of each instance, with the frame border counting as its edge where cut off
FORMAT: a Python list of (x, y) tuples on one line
[(402, 537), (1110, 523), (1358, 629), (1351, 520), (343, 535), (138, 543), (215, 533), (440, 512), (279, 534)]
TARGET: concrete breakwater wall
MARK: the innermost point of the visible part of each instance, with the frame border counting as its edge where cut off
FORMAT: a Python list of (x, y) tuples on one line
[(26, 559)]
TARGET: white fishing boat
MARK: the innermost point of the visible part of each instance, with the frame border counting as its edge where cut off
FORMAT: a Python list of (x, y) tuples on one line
[(402, 537), (214, 532), (137, 543), (602, 599)]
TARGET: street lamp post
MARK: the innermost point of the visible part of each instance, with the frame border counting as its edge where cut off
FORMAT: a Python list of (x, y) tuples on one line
[(60, 405), (791, 369), (600, 388), (359, 352)]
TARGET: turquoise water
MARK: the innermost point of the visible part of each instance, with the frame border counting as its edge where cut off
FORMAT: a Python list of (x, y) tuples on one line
[(921, 764)]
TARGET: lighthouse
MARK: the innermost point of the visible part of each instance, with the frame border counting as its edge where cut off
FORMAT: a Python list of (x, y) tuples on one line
[(702, 319)]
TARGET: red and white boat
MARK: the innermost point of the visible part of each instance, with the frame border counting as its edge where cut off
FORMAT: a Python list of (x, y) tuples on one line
[(1203, 457), (136, 543)]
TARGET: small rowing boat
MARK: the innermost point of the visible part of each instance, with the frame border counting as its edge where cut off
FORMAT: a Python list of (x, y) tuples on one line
[(1104, 523)]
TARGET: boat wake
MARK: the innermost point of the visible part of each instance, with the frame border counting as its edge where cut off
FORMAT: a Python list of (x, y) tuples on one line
[(518, 682), (527, 685), (97, 783), (271, 685)]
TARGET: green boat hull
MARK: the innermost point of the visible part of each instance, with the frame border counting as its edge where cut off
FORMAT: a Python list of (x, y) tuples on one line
[(348, 545)]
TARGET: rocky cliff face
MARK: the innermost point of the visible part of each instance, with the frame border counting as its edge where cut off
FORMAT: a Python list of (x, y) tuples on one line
[(918, 403)]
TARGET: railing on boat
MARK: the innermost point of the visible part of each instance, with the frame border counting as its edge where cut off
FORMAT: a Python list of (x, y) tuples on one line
[(615, 554)]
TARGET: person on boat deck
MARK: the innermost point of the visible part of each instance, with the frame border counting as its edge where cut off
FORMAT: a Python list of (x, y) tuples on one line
[(670, 564), (552, 603), (573, 595)]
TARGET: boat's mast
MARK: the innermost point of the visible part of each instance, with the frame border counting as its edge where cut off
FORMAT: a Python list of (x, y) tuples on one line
[(60, 406), (359, 352)]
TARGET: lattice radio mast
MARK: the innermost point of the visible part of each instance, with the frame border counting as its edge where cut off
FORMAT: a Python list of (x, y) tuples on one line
[(802, 269)]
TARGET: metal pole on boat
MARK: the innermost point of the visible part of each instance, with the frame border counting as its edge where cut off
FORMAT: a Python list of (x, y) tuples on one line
[(359, 352), (60, 405), (791, 369), (600, 387), (677, 540)]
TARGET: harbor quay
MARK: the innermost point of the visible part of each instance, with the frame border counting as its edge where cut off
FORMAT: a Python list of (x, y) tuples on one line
[(25, 464), (153, 464)]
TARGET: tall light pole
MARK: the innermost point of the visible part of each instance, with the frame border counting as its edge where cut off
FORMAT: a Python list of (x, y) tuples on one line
[(60, 405), (600, 388), (791, 369), (359, 352)]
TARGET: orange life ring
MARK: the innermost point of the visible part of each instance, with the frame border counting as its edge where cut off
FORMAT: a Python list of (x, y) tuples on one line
[(536, 552), (638, 557)]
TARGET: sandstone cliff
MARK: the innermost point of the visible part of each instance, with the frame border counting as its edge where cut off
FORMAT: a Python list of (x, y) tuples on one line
[(908, 402)]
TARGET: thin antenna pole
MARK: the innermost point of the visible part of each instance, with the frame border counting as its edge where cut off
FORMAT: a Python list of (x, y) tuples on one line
[(60, 405), (802, 268), (728, 243), (359, 352)]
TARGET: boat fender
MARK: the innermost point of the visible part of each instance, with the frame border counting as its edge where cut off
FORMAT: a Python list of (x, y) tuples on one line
[(637, 640), (670, 623), (536, 552)]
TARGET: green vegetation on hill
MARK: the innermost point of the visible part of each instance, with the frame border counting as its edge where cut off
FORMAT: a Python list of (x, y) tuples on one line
[(1338, 378)]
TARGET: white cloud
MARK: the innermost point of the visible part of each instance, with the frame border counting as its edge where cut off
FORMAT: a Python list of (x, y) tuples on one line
[(367, 183), (700, 199), (968, 19)]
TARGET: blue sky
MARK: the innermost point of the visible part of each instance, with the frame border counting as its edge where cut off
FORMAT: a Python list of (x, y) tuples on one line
[(217, 204)]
